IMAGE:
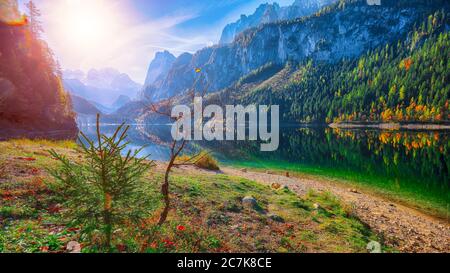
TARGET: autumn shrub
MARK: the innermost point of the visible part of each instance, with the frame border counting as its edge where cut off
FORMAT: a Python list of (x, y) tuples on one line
[(105, 190), (207, 161), (202, 160)]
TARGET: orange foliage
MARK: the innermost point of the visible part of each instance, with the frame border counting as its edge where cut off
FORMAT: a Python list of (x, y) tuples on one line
[(22, 21), (408, 140), (406, 64), (387, 115)]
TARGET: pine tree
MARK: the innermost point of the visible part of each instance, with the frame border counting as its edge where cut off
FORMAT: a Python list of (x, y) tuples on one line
[(34, 22)]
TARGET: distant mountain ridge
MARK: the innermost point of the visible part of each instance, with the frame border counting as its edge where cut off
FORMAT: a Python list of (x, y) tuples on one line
[(121, 101), (102, 86), (83, 106), (269, 13)]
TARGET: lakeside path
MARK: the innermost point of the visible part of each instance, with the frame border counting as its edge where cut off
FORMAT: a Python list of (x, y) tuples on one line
[(404, 228)]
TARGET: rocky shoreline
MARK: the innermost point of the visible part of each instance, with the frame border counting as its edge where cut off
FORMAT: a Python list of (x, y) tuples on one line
[(403, 228)]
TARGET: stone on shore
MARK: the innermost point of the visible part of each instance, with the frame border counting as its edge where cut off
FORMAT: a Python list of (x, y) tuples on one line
[(250, 202)]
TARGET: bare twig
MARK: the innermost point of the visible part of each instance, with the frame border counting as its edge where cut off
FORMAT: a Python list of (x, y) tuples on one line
[(164, 108)]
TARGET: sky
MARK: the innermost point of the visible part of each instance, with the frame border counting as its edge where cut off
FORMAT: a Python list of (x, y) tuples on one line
[(126, 34)]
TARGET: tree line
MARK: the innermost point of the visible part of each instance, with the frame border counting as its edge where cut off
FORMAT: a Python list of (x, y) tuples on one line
[(34, 97)]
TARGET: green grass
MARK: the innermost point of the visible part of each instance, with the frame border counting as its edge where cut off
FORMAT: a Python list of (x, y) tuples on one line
[(430, 201), (207, 214), (67, 144)]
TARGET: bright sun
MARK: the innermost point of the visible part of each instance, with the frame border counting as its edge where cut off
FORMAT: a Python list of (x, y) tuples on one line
[(86, 23), (86, 27)]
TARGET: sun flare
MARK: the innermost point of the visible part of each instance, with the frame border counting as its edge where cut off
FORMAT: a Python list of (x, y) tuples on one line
[(85, 23), (85, 27)]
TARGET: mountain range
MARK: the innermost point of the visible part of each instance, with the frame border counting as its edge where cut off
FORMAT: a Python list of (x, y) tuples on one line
[(333, 41), (106, 88), (343, 30), (269, 13)]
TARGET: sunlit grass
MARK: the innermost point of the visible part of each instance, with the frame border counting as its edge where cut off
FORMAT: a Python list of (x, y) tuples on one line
[(67, 144), (208, 214), (430, 201)]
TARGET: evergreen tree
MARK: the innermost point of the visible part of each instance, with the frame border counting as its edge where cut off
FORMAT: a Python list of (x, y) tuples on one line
[(34, 15)]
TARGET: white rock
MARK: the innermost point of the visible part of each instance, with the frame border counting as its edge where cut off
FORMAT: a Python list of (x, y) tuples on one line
[(73, 247)]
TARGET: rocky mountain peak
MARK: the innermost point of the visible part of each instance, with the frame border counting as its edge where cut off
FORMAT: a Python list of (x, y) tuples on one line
[(268, 13), (159, 67)]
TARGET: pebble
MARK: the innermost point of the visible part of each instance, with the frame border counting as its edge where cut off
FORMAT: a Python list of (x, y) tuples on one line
[(73, 247)]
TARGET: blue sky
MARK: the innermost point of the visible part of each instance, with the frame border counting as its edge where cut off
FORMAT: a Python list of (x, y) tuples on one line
[(125, 34)]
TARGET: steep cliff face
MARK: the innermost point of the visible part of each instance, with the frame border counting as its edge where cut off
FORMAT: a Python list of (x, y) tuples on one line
[(269, 13), (159, 67), (179, 77), (265, 13), (343, 30), (33, 102)]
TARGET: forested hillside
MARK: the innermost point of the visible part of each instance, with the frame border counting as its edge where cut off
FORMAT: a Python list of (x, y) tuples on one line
[(405, 82), (32, 99)]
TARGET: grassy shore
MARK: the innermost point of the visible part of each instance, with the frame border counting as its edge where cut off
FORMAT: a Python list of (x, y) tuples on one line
[(207, 213), (433, 203)]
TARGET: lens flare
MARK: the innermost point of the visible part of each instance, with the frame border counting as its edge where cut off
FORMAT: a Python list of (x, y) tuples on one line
[(86, 24)]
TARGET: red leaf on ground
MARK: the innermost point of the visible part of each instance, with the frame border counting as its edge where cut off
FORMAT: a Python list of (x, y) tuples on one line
[(44, 249), (121, 248), (73, 229), (181, 228)]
